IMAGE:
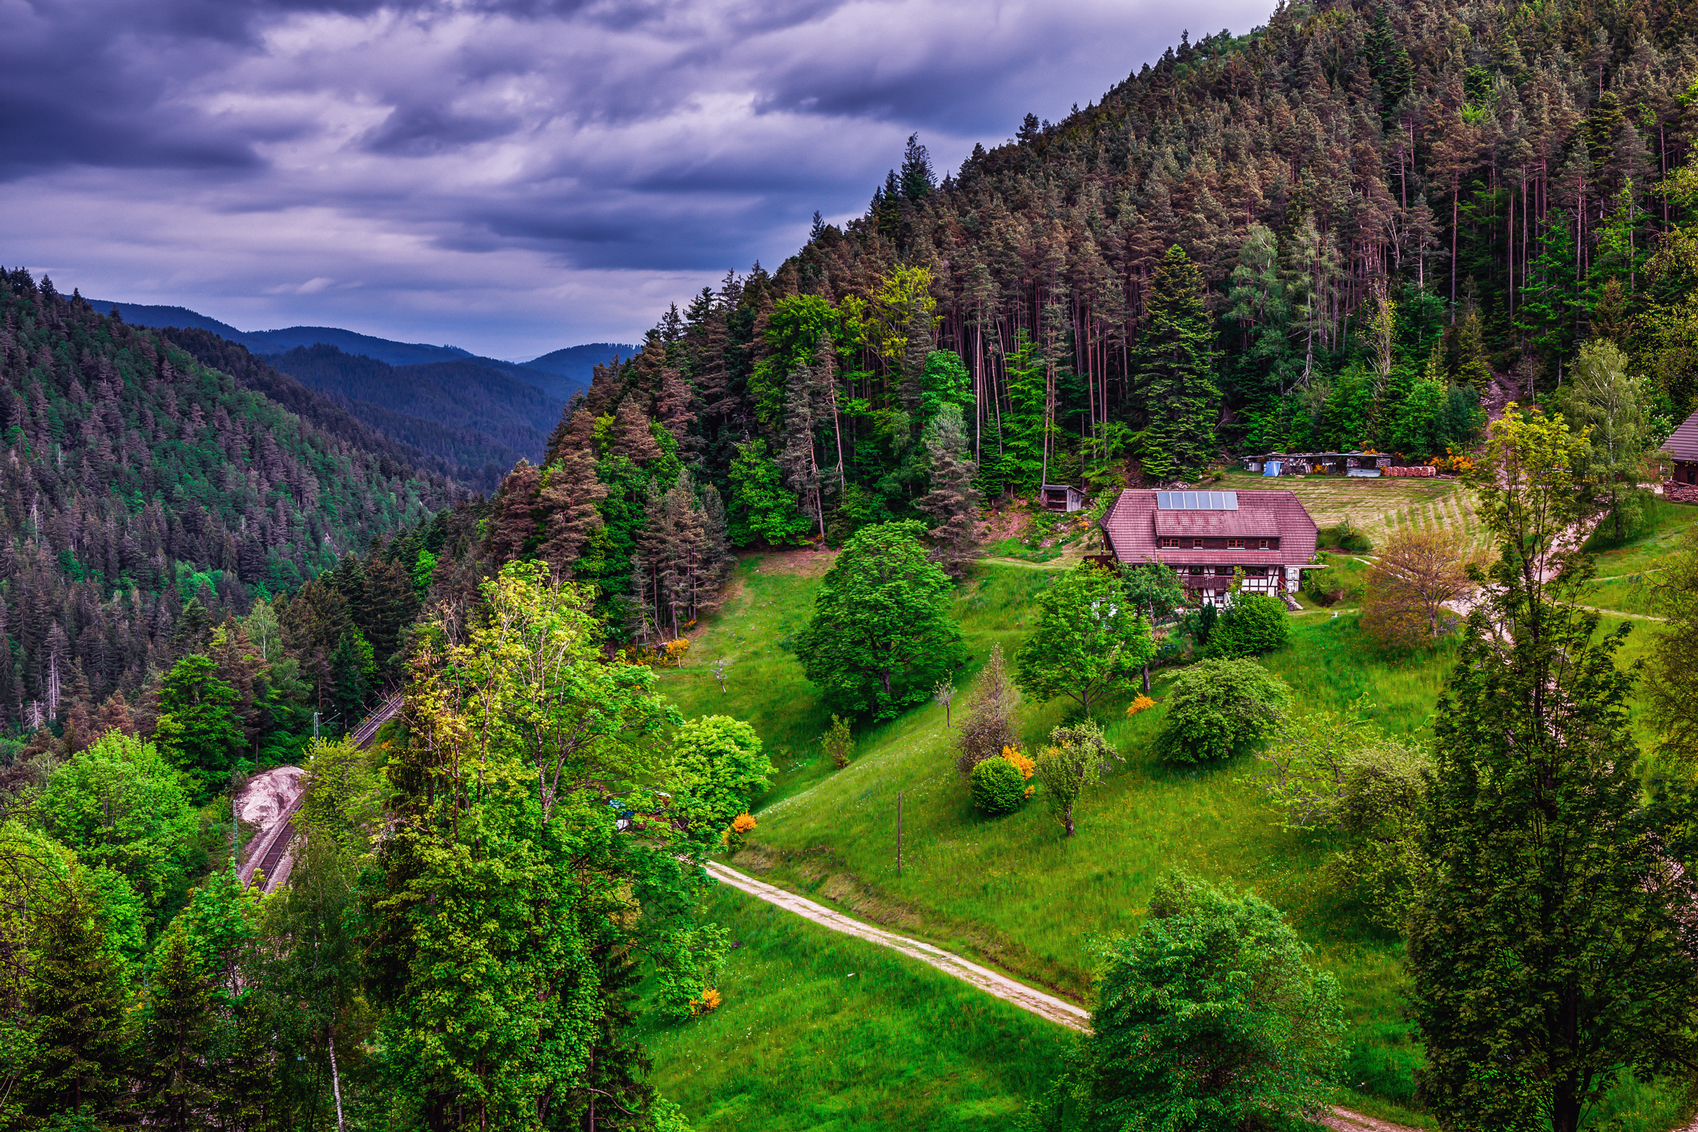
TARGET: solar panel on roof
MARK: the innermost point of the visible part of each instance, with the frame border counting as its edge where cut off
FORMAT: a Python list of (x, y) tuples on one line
[(1197, 500)]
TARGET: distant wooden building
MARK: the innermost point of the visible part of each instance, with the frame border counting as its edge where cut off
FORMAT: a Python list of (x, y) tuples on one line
[(1307, 463), (1061, 497), (1205, 535), (1684, 445)]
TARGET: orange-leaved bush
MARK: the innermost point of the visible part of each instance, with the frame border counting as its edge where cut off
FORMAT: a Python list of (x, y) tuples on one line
[(1139, 705), (1024, 765)]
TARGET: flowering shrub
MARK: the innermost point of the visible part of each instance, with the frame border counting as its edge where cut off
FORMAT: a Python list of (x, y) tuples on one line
[(1021, 763), (1139, 705), (707, 1004), (741, 826)]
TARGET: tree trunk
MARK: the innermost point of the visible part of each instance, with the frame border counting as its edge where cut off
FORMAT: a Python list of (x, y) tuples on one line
[(1067, 818), (335, 1079)]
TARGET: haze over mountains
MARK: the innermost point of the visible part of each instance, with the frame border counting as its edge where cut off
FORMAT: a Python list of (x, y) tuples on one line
[(471, 416)]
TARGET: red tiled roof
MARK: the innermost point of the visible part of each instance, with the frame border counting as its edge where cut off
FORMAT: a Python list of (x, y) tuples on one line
[(1131, 527), (1684, 442), (1259, 523)]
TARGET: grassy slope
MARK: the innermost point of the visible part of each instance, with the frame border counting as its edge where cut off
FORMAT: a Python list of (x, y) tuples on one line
[(1014, 891), (819, 1031)]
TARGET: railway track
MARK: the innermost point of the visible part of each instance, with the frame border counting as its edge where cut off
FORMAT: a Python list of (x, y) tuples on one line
[(269, 856)]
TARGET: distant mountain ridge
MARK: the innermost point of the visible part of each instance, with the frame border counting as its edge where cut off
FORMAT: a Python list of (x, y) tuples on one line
[(560, 373), (576, 364), (277, 341), (481, 418)]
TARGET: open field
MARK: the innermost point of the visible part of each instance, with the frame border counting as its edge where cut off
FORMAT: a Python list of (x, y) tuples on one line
[(1374, 506)]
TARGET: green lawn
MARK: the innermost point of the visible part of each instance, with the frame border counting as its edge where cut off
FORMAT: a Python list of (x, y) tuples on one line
[(1627, 571), (820, 1031), (1013, 891)]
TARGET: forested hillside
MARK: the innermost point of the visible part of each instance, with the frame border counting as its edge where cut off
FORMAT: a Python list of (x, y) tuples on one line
[(479, 418), (146, 497), (1339, 231)]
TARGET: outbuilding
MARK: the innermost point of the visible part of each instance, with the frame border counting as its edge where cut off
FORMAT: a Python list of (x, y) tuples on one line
[(1684, 445)]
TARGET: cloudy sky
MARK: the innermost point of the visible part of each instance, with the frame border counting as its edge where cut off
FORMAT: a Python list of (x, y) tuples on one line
[(510, 176)]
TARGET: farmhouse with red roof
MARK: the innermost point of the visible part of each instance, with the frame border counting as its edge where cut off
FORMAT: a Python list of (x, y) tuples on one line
[(1204, 535)]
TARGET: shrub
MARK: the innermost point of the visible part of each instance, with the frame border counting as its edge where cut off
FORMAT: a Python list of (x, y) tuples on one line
[(997, 786), (837, 742), (1256, 624), (1021, 763), (1210, 1017), (989, 725), (1220, 708), (1142, 703), (1346, 537)]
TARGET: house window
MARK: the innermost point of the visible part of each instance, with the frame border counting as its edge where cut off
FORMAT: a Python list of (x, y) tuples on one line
[(1196, 569), (1264, 545), (1170, 543), (1235, 544), (1196, 544)]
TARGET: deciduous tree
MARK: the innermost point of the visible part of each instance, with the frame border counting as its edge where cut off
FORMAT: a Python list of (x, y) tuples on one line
[(881, 634), (1089, 639)]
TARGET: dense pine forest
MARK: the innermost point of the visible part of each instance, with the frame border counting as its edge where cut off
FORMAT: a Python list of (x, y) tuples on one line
[(148, 497)]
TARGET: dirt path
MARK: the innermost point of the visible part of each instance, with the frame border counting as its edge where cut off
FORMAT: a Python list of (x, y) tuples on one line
[(1044, 1005), (1039, 1003)]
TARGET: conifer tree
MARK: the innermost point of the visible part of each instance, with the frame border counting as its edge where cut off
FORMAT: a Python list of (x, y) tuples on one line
[(1174, 392), (77, 994), (953, 502)]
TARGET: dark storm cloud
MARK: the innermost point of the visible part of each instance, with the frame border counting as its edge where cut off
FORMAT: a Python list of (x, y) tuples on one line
[(425, 163)]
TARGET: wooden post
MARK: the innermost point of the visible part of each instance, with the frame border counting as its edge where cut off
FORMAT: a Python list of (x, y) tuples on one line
[(899, 833)]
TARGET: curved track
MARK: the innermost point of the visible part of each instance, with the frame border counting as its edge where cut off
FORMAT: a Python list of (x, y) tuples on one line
[(269, 855)]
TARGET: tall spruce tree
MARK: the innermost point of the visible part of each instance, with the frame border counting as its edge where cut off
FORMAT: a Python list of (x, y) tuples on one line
[(1174, 392), (953, 501), (1551, 943)]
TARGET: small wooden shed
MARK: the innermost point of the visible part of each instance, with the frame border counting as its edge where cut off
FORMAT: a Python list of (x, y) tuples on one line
[(1061, 497)]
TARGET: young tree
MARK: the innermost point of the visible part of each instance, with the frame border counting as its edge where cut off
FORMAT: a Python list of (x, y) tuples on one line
[(1217, 709), (881, 634), (1610, 405), (989, 725), (1547, 942), (1154, 588), (1415, 576), (1210, 1017), (1075, 758), (839, 744), (1089, 639)]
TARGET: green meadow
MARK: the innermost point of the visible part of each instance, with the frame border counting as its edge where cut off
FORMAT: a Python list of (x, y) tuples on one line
[(1014, 892)]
